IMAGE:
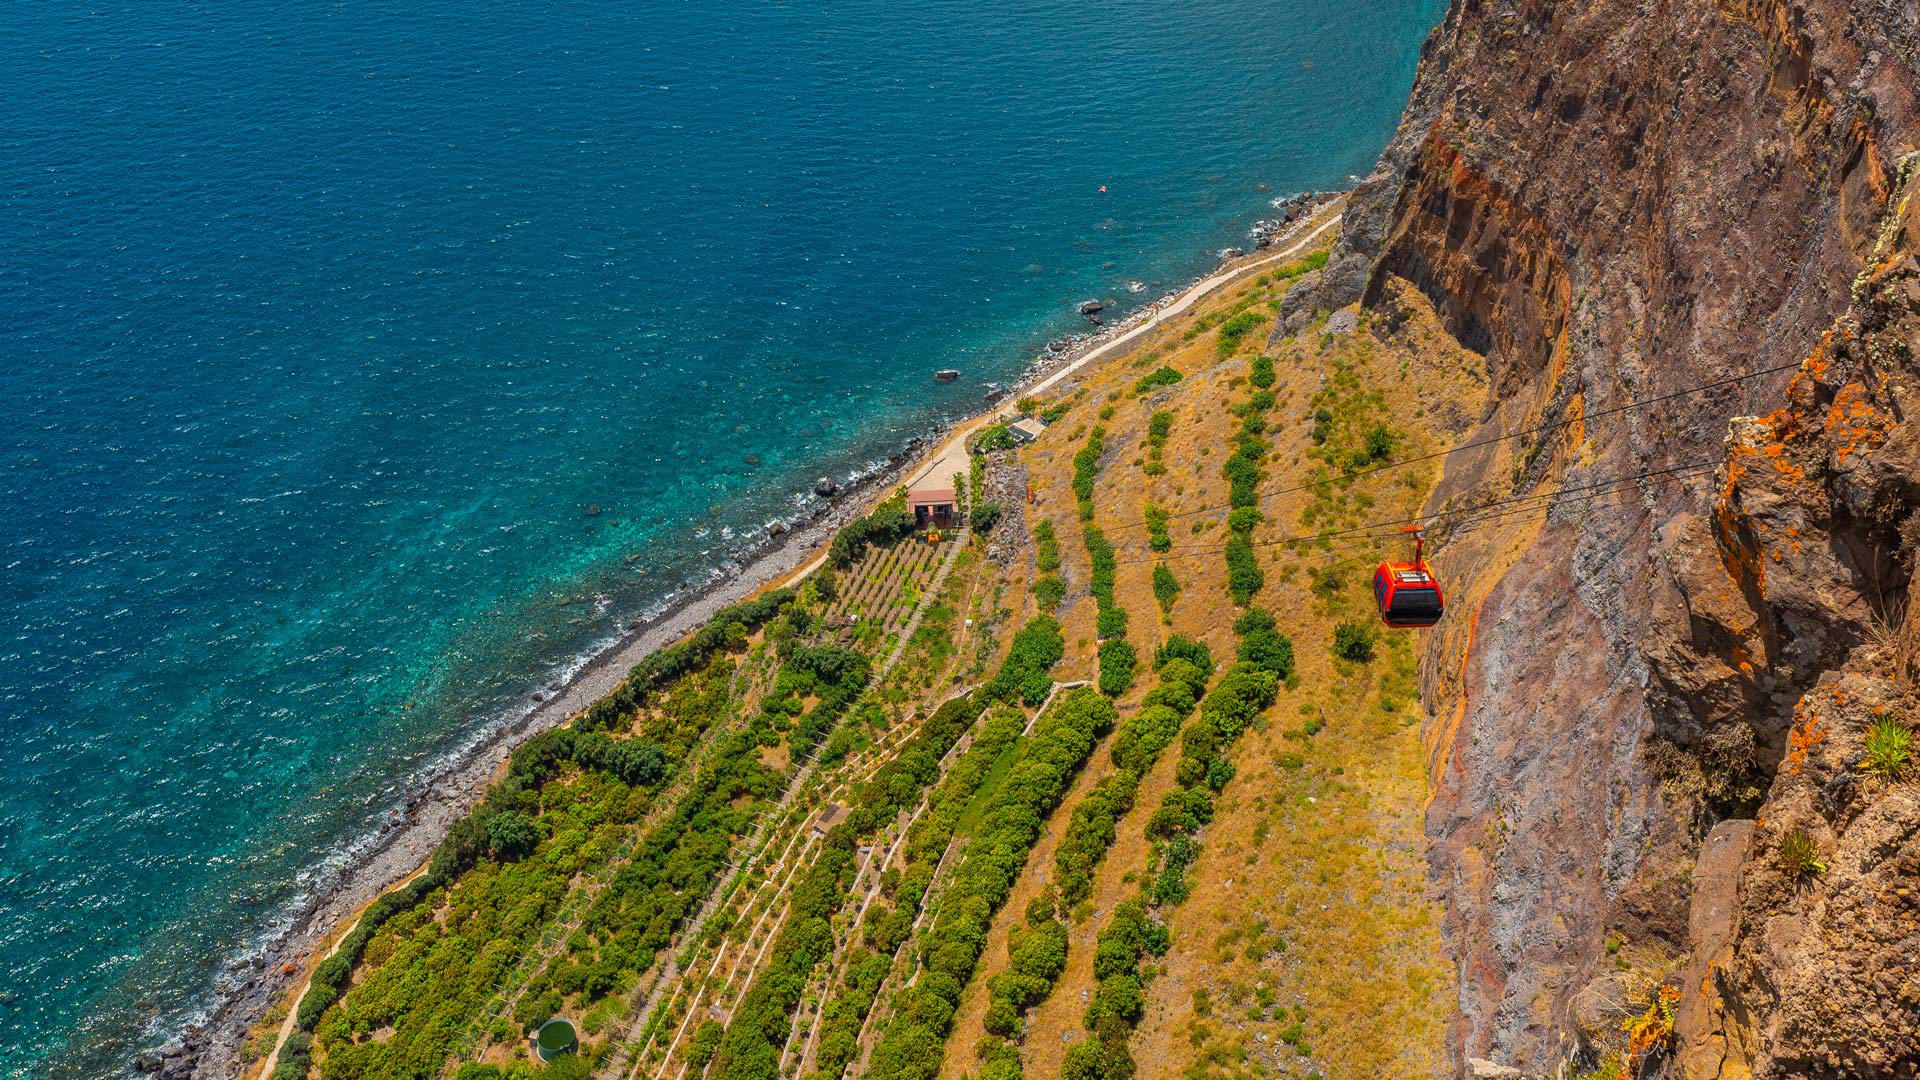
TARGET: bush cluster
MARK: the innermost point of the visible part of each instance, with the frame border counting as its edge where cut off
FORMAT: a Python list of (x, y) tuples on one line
[(1062, 740), (761, 1022), (1158, 538), (1165, 586), (1086, 466), (1048, 590), (889, 523), (1038, 952), (1242, 470), (1159, 426), (1024, 676), (504, 869), (1353, 641), (1235, 330), (1119, 959), (890, 918), (725, 630), (1157, 378)]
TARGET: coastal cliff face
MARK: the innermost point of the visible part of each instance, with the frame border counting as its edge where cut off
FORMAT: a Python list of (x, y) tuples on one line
[(1680, 236)]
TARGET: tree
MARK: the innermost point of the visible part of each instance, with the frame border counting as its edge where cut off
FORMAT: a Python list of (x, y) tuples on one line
[(511, 835)]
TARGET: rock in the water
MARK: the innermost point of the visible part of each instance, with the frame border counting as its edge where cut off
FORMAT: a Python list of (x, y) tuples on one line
[(945, 375), (777, 529), (1092, 307), (826, 487)]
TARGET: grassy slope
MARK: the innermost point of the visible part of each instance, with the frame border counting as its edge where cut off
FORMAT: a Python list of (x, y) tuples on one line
[(1321, 838)]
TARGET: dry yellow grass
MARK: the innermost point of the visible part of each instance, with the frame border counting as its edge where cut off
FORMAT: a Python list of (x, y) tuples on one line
[(1318, 843)]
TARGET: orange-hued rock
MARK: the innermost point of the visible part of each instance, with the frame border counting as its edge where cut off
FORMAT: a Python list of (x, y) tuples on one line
[(1679, 235)]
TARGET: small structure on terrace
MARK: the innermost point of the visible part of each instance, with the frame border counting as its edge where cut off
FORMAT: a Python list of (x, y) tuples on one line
[(833, 815), (1026, 429), (931, 506)]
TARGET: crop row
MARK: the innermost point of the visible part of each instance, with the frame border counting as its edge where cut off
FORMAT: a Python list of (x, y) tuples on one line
[(1060, 743), (431, 975), (1247, 688), (1037, 952)]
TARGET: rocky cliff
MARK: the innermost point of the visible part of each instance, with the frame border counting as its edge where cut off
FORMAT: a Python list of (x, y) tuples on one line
[(1680, 235)]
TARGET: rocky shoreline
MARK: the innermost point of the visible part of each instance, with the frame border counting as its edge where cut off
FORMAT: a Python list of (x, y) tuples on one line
[(212, 1047)]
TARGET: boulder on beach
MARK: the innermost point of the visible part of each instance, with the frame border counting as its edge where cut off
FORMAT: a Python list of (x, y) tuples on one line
[(946, 375), (826, 487), (1092, 307)]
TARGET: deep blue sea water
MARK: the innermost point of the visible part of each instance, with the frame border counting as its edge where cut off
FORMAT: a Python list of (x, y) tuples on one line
[(364, 364)]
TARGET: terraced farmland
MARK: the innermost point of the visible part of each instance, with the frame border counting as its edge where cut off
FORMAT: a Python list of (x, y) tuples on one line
[(887, 583), (968, 809)]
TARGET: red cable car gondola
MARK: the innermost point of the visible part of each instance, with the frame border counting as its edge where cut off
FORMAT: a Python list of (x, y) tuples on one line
[(1408, 593)]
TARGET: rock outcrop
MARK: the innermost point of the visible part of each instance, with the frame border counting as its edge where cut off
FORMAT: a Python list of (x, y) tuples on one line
[(1679, 234)]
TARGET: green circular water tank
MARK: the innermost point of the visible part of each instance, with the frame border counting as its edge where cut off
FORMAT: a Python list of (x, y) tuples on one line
[(554, 1038)]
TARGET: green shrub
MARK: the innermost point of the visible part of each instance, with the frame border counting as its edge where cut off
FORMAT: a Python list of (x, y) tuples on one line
[(1244, 576), (1161, 376), (1353, 641), (1236, 329), (1086, 466), (1048, 592), (1035, 649), (1180, 647), (1165, 586), (985, 516), (1062, 740), (706, 1040), (1800, 854), (1116, 666), (1270, 651), (1889, 748), (1046, 547), (1158, 538), (1379, 444), (993, 437), (1159, 426), (511, 835)]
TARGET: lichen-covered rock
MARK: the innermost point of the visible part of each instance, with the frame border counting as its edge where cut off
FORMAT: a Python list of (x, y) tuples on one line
[(1677, 233), (1825, 975)]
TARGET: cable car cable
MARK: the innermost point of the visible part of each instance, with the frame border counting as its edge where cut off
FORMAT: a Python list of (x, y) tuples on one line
[(1385, 466), (1438, 520)]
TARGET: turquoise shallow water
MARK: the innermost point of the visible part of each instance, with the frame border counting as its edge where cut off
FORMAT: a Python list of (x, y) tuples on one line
[(363, 364)]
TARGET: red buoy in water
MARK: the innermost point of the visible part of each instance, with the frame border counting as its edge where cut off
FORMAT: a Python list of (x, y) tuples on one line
[(1407, 592)]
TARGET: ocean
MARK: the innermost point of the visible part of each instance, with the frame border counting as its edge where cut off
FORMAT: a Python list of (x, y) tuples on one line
[(365, 365)]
